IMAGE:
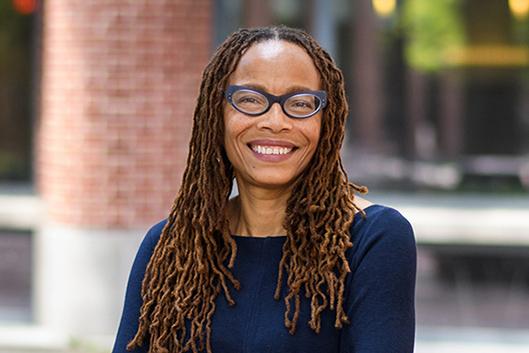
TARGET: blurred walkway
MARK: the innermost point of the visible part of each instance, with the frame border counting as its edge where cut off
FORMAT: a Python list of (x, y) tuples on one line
[(450, 340)]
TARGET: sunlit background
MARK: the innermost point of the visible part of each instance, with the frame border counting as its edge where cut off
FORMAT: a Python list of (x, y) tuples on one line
[(438, 128)]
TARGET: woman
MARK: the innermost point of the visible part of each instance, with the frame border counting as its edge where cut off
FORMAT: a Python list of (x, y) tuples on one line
[(296, 262)]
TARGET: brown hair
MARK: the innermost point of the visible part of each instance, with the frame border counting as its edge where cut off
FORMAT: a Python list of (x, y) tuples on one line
[(191, 263)]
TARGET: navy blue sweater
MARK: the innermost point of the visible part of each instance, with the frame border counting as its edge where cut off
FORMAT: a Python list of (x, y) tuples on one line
[(379, 295)]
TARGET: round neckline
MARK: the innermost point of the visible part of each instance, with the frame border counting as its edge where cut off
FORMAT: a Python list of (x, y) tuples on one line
[(237, 236)]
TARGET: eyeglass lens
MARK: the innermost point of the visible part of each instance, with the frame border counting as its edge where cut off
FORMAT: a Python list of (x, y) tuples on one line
[(252, 102)]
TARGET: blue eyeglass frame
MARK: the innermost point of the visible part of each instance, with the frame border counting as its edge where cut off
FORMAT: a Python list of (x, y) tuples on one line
[(322, 96)]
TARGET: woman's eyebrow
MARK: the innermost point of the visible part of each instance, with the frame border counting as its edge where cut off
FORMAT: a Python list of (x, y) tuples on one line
[(291, 89)]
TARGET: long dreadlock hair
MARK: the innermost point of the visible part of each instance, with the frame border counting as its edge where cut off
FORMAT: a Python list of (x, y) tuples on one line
[(191, 263)]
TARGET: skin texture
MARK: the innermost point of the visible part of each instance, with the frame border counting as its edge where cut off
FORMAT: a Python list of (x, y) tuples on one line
[(277, 67)]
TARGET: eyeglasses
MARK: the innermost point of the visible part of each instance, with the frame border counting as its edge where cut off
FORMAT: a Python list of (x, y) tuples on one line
[(297, 105)]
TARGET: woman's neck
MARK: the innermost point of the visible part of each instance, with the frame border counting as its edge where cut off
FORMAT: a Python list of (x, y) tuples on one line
[(258, 212)]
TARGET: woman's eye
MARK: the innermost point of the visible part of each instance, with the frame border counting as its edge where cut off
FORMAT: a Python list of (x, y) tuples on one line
[(303, 104), (248, 100)]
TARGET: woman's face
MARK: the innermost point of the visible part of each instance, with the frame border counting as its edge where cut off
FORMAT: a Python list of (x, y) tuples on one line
[(272, 149)]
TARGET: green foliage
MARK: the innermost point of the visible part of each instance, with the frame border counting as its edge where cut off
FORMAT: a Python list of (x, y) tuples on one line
[(15, 31), (520, 28), (432, 29), (12, 167), (15, 92)]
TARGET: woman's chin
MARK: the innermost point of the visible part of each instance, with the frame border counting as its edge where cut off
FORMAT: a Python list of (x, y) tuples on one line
[(270, 181)]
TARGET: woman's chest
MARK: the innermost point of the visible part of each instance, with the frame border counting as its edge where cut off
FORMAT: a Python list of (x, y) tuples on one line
[(256, 322)]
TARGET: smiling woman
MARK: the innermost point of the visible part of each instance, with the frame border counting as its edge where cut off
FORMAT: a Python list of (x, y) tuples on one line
[(296, 244)]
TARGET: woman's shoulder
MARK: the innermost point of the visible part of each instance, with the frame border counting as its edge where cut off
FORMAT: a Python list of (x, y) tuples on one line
[(381, 216), (156, 230), (382, 228), (151, 239), (376, 212)]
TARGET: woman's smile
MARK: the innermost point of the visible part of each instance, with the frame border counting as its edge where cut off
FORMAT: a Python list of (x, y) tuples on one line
[(272, 150)]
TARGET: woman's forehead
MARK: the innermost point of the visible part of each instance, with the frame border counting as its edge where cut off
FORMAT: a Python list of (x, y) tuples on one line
[(272, 49), (276, 63)]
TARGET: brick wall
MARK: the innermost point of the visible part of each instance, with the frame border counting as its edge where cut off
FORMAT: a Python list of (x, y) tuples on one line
[(119, 84)]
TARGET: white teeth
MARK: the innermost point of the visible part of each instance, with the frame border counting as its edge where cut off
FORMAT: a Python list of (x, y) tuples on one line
[(271, 150)]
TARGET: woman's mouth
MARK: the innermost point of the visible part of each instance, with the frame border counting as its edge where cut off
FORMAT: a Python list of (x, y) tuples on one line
[(272, 151)]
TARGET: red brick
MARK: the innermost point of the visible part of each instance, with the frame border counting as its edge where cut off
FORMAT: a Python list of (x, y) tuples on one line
[(118, 91)]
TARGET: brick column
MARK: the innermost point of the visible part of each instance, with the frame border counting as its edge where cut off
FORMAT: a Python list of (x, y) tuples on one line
[(119, 83), (118, 90)]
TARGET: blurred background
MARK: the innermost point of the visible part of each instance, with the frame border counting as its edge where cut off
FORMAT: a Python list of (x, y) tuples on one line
[(96, 100)]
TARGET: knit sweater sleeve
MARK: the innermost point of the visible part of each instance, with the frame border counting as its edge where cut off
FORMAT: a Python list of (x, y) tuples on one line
[(133, 301), (381, 291)]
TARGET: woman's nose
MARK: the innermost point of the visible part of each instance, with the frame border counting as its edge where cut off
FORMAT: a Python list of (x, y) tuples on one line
[(275, 119)]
